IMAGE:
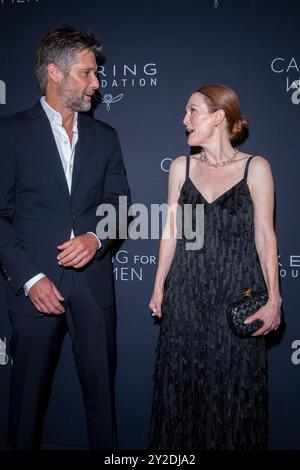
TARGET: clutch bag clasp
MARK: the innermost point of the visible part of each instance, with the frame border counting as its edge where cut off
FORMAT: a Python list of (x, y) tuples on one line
[(247, 292)]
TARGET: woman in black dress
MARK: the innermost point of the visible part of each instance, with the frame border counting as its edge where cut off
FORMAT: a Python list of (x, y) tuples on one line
[(210, 386)]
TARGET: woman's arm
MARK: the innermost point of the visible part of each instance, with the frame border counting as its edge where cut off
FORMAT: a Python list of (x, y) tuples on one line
[(168, 240), (262, 191)]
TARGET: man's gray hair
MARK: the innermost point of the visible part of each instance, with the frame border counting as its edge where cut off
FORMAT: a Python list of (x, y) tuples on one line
[(59, 47)]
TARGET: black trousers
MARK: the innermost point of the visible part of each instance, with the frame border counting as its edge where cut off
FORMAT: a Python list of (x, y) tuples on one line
[(35, 348)]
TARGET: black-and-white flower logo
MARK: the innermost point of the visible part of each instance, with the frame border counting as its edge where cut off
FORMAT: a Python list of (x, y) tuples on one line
[(108, 99)]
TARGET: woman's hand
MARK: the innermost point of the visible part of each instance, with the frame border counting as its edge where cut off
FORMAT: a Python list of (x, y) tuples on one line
[(269, 314), (156, 301)]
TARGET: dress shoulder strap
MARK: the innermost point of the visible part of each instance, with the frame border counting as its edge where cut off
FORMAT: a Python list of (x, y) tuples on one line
[(187, 170), (247, 167)]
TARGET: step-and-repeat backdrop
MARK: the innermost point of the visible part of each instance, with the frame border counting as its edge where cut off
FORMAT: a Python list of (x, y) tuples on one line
[(157, 53)]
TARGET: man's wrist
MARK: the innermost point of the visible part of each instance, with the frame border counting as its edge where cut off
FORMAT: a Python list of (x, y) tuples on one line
[(99, 243), (31, 282)]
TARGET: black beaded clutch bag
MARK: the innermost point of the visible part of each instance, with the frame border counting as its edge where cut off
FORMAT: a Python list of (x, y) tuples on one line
[(247, 305)]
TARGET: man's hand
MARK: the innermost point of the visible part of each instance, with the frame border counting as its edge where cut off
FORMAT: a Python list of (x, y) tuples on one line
[(78, 251), (46, 297)]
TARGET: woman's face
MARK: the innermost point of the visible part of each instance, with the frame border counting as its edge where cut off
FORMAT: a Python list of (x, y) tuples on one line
[(199, 122)]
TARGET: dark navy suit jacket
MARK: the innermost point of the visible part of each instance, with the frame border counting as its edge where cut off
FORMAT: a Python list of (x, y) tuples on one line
[(37, 212)]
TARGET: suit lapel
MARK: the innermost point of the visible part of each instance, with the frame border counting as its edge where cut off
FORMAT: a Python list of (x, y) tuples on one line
[(45, 144), (82, 151)]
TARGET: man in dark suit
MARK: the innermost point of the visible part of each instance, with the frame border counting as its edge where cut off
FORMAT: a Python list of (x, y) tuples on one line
[(57, 166)]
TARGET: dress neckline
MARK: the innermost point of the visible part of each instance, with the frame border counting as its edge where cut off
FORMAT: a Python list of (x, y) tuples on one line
[(238, 183), (221, 195)]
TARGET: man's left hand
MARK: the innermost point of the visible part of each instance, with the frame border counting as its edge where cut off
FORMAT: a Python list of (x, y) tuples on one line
[(78, 251)]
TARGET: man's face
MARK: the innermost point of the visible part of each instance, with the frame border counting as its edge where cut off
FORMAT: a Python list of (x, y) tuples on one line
[(78, 86)]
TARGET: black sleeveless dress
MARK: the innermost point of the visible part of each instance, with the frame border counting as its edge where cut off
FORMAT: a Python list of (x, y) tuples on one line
[(210, 388)]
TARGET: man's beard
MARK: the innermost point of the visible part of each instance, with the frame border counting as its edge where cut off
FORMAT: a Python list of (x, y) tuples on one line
[(75, 102)]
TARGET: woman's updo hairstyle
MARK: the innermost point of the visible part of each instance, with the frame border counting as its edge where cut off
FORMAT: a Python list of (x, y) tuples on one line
[(218, 96)]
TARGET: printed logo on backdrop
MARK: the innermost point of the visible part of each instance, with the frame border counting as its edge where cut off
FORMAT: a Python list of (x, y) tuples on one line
[(289, 69), (289, 266), (18, 2), (131, 267), (2, 92), (117, 78), (295, 357), (4, 358), (165, 164), (108, 99)]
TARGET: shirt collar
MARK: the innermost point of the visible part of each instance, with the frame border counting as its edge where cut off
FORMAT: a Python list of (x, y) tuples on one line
[(55, 117)]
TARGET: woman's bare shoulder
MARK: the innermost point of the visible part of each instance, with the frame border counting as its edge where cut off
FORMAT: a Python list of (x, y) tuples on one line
[(178, 165), (179, 161), (260, 173), (260, 164)]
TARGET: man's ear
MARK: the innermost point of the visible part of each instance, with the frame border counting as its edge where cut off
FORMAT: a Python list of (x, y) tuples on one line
[(55, 74)]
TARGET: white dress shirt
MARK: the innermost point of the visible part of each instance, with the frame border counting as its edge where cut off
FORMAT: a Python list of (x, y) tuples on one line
[(66, 150)]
